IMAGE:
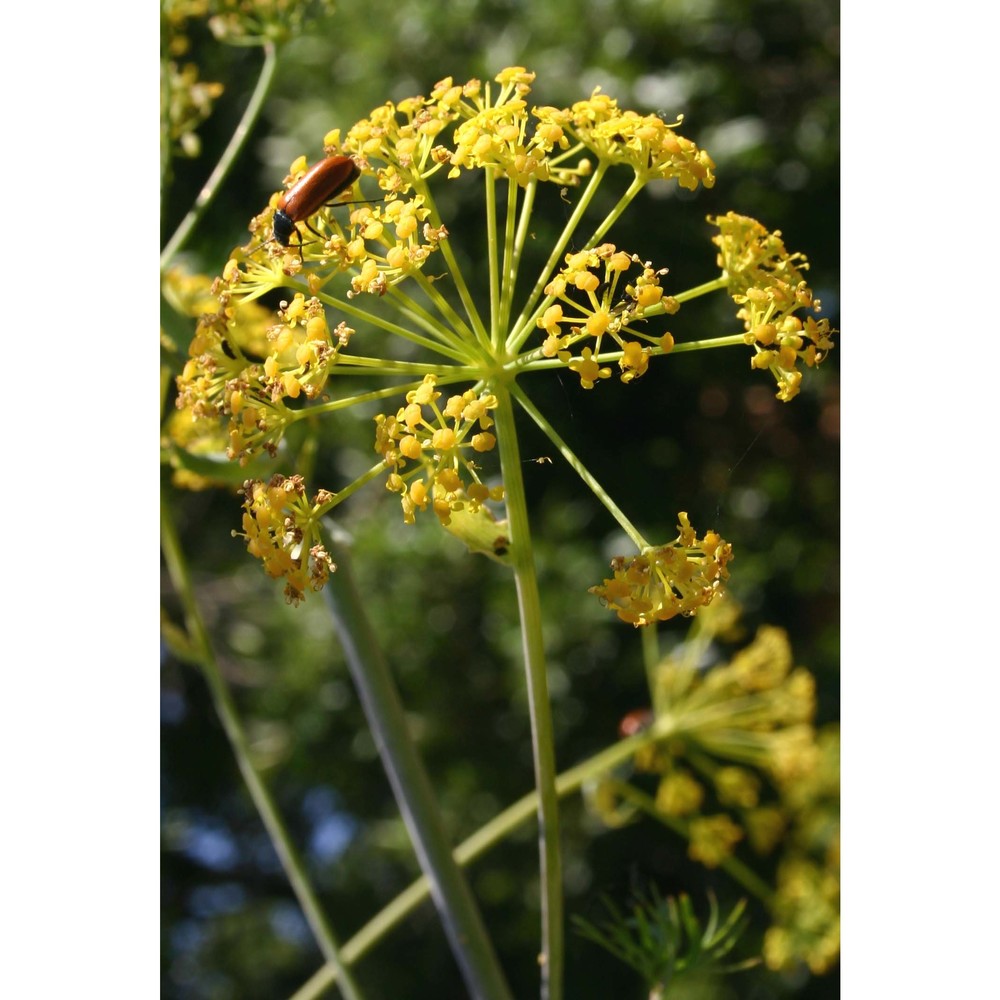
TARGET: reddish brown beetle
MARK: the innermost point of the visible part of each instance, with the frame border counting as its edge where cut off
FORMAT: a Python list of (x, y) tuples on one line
[(635, 721), (317, 187)]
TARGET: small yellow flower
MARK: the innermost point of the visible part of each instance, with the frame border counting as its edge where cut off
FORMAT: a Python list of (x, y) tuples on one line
[(713, 839), (586, 367), (765, 827), (634, 360), (679, 794), (736, 786)]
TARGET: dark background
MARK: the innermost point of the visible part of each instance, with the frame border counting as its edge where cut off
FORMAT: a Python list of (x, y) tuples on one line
[(758, 86)]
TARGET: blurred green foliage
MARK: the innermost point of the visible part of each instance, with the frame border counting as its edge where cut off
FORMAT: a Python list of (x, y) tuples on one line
[(758, 85)]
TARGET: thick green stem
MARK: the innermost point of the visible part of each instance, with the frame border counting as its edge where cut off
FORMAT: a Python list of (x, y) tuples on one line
[(411, 786), (486, 837), (542, 737), (226, 709), (228, 158)]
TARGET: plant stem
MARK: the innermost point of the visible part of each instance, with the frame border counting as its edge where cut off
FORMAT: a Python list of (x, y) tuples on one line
[(411, 786), (226, 709), (612, 217), (448, 253), (228, 158), (387, 326), (525, 323), (579, 468), (733, 867), (493, 255), (513, 244), (542, 737), (650, 657), (513, 817)]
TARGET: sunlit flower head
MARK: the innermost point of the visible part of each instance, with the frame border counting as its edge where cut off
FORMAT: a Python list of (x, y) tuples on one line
[(602, 298), (281, 528), (667, 580), (431, 451), (646, 143), (246, 374), (767, 283)]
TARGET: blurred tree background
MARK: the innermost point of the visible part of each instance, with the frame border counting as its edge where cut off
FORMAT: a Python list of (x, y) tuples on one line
[(757, 83)]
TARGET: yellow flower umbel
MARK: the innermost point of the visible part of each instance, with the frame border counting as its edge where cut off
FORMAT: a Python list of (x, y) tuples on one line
[(282, 530), (225, 378), (591, 306), (438, 442), (646, 143), (667, 580), (614, 305), (185, 100), (767, 282), (739, 762)]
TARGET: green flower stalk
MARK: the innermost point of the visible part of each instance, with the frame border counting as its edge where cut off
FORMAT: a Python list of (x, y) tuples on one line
[(374, 290)]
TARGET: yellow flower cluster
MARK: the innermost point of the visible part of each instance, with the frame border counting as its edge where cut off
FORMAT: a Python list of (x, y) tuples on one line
[(252, 374), (185, 100), (767, 283), (281, 528), (646, 143), (382, 243), (613, 302), (438, 440), (494, 131), (807, 901), (496, 136), (225, 377), (739, 762), (491, 131), (744, 729), (667, 580)]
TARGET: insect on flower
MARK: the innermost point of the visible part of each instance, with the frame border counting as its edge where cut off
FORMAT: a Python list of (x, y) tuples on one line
[(317, 187), (636, 721)]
